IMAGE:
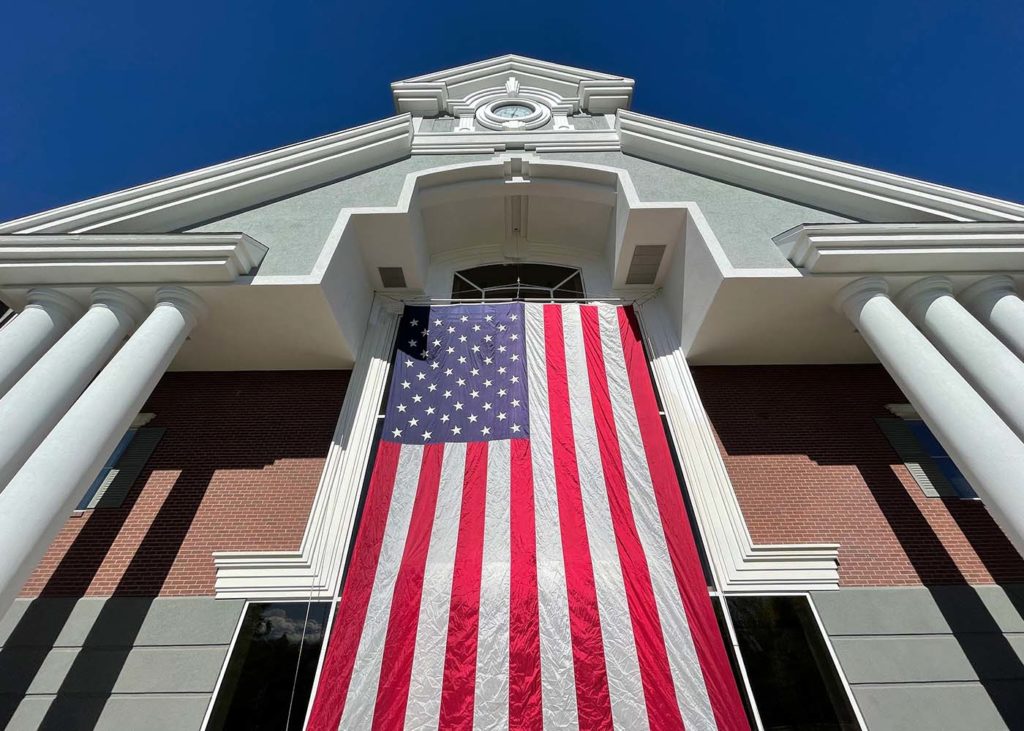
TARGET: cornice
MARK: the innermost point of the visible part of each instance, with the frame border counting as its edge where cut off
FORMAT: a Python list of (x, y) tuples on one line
[(867, 248), (119, 259), (431, 94), (184, 199), (856, 191)]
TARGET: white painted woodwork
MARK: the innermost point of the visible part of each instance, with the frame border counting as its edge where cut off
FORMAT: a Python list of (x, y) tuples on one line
[(985, 449), (995, 372), (43, 395), (47, 315), (996, 303), (43, 494)]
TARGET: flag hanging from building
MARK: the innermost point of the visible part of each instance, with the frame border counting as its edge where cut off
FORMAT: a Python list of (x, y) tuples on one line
[(524, 559)]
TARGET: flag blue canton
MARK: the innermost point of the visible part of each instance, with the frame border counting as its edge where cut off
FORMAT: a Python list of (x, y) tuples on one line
[(458, 375)]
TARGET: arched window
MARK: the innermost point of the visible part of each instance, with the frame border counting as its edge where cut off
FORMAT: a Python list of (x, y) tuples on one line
[(518, 282)]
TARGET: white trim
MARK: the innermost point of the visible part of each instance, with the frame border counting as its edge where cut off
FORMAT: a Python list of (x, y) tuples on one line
[(313, 571), (218, 189), (836, 186), (835, 661), (118, 259), (224, 667), (739, 565), (430, 94), (891, 248)]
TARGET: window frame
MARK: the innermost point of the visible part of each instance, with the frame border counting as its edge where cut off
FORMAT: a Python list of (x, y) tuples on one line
[(574, 271), (721, 597)]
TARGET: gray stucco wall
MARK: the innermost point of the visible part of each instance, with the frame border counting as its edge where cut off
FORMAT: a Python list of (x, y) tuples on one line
[(937, 658), (295, 228), (743, 220), (120, 663)]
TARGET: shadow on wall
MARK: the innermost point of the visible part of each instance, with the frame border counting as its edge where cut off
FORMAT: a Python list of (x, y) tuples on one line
[(216, 423), (827, 413)]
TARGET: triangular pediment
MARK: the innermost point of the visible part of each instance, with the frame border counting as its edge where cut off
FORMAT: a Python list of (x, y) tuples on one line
[(445, 92)]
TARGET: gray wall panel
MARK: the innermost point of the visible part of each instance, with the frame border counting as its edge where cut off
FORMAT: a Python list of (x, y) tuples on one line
[(949, 657), (112, 663)]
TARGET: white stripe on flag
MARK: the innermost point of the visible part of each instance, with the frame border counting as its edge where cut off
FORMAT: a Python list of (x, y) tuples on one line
[(624, 681), (362, 691), (691, 693), (558, 680), (490, 707), (424, 709)]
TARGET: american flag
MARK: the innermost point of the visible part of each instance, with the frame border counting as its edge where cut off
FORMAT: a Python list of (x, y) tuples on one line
[(524, 558)]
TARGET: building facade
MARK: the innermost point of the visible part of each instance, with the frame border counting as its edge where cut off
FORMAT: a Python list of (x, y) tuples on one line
[(193, 373)]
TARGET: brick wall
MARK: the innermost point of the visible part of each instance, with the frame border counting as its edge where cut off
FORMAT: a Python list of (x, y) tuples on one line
[(236, 470), (809, 464)]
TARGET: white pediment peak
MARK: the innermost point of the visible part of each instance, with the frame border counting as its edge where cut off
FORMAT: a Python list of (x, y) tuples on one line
[(452, 90)]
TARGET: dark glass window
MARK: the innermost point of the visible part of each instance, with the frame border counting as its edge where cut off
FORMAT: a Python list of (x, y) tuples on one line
[(270, 673), (517, 281), (794, 680), (941, 458)]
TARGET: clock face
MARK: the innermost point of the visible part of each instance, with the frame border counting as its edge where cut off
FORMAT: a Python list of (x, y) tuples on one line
[(512, 111)]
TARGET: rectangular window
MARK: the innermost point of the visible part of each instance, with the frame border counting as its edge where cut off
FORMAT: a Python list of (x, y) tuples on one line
[(926, 460), (120, 472), (270, 673), (795, 683)]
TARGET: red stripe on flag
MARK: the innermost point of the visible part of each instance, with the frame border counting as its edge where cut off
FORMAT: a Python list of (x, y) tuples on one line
[(714, 663), (655, 673), (459, 681), (400, 641), (348, 626), (524, 692), (592, 698)]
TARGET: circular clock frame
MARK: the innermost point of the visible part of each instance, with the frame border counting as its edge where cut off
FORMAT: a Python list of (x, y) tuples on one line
[(488, 117)]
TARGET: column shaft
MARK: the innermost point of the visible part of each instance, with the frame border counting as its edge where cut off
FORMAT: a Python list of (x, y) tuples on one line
[(995, 372), (42, 495), (994, 301), (43, 395), (46, 316), (984, 448)]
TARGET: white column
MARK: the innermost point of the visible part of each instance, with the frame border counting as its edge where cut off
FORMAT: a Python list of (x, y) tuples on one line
[(995, 372), (984, 448), (994, 301), (43, 395), (47, 315), (43, 494)]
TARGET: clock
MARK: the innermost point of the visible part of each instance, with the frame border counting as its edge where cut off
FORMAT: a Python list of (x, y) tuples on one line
[(511, 114), (512, 111)]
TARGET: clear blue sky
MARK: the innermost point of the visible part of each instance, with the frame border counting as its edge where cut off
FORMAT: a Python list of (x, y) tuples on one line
[(98, 96)]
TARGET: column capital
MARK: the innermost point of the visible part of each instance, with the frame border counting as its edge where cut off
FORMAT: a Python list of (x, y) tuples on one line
[(914, 299), (854, 295), (987, 290), (54, 301), (184, 300), (122, 304)]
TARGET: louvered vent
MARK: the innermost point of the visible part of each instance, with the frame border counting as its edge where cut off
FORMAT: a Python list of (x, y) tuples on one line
[(644, 267), (392, 277)]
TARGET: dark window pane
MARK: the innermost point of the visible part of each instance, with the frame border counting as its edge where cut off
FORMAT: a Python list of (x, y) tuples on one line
[(276, 651), (941, 458), (517, 281), (795, 683)]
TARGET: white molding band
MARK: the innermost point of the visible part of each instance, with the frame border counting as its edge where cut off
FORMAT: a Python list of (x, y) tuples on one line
[(891, 248), (218, 189), (314, 570), (835, 186), (99, 259), (739, 564)]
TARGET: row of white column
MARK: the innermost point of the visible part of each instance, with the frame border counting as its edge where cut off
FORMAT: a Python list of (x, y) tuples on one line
[(960, 362), (70, 386)]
